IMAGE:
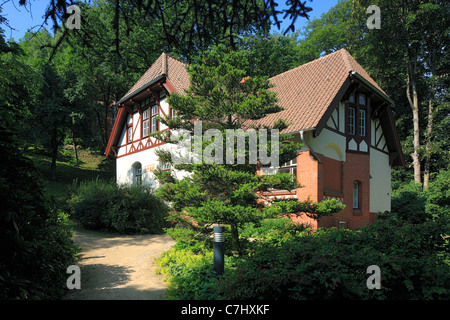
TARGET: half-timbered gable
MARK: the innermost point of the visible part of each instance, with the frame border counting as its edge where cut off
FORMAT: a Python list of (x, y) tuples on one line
[(131, 141)]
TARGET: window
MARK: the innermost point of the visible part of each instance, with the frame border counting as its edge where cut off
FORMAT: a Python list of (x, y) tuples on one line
[(351, 120), (155, 110), (289, 167), (173, 113), (154, 123), (362, 99), (351, 98), (137, 173), (129, 133), (357, 115), (355, 195), (362, 122), (165, 166), (145, 121)]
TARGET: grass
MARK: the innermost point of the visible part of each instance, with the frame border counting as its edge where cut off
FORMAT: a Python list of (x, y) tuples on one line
[(91, 165)]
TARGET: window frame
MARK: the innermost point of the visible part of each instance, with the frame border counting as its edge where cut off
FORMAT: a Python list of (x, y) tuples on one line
[(358, 209), (362, 130), (351, 120), (130, 133), (153, 122), (356, 115), (355, 196), (145, 122), (165, 166)]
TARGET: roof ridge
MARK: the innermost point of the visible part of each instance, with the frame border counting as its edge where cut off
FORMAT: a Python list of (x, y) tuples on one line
[(179, 60), (309, 62), (345, 56), (163, 63)]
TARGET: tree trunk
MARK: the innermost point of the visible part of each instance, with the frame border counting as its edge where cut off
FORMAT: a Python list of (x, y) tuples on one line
[(75, 145), (54, 154), (426, 175), (414, 103)]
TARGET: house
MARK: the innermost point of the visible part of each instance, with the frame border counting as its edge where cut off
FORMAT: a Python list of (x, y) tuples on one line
[(339, 113)]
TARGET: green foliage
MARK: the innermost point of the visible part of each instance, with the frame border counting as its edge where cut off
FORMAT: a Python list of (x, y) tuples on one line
[(331, 264), (36, 246), (408, 202), (124, 209), (189, 270), (315, 210), (438, 196), (270, 55), (286, 225)]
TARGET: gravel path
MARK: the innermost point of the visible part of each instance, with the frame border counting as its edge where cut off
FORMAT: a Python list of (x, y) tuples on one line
[(119, 267)]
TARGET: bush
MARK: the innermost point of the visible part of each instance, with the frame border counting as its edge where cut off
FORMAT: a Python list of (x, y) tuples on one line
[(124, 209), (408, 203), (90, 202), (332, 264), (190, 275)]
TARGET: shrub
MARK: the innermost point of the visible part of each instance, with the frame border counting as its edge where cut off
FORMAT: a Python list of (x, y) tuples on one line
[(188, 239), (125, 209), (190, 275), (408, 202), (136, 209), (332, 264), (90, 201)]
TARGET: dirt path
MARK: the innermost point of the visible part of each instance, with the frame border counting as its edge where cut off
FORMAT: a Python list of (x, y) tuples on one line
[(119, 267)]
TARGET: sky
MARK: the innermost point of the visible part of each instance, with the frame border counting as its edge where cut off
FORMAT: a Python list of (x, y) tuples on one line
[(21, 19)]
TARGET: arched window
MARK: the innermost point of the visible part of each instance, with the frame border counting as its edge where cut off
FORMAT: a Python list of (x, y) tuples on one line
[(137, 172), (356, 195)]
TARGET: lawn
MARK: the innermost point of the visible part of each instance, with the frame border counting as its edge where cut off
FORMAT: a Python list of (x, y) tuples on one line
[(91, 165)]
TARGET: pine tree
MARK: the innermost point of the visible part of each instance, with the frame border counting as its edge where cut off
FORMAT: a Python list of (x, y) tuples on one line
[(224, 185)]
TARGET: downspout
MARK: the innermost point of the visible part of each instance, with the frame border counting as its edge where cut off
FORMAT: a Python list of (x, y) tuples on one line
[(302, 137)]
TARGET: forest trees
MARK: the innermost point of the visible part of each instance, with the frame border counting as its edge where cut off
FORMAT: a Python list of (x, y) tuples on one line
[(408, 57), (415, 36), (36, 246)]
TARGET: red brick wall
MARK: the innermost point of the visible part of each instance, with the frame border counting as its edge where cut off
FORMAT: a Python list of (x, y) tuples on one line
[(309, 176), (332, 178), (356, 168)]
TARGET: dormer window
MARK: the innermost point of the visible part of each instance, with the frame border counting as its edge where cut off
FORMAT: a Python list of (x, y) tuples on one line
[(362, 99), (362, 122), (357, 115), (351, 120)]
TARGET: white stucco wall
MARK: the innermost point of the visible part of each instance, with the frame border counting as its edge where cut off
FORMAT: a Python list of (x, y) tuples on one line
[(328, 143), (149, 161), (380, 181)]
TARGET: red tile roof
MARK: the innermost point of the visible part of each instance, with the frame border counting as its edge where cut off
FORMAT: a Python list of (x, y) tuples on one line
[(173, 69), (307, 91)]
